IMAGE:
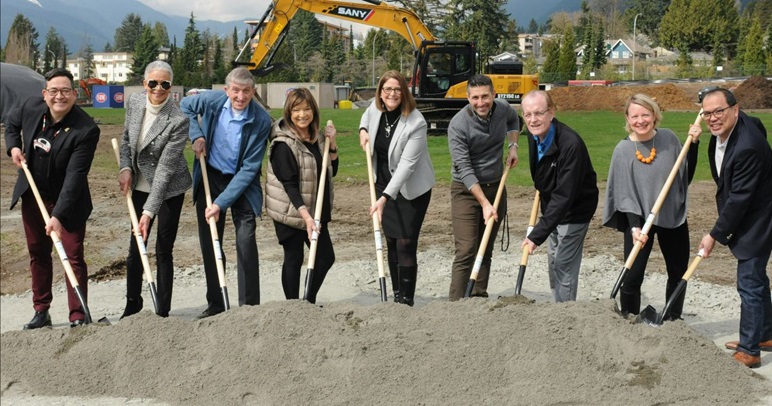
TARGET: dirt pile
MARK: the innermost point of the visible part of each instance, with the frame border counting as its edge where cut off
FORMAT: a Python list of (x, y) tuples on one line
[(755, 93), (613, 98), (470, 352)]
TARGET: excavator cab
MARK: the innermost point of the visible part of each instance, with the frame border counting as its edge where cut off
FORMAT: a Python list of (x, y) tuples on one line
[(441, 65)]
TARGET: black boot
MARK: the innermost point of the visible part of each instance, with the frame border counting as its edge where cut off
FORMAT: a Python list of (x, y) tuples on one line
[(407, 283), (41, 319), (394, 273), (629, 303), (674, 313), (133, 306)]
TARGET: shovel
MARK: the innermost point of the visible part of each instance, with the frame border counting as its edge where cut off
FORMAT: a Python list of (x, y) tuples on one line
[(649, 314), (486, 237), (59, 247), (376, 225), (138, 236), (215, 237), (654, 211), (317, 217), (526, 251)]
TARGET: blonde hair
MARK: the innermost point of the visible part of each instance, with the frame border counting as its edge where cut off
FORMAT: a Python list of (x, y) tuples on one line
[(646, 102)]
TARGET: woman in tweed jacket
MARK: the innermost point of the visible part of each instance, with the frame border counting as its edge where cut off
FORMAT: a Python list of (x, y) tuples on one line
[(154, 169)]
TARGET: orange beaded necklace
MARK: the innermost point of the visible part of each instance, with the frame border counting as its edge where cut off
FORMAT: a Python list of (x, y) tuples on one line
[(650, 158)]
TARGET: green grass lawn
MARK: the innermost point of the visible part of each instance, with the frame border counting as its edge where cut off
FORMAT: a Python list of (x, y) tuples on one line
[(601, 131)]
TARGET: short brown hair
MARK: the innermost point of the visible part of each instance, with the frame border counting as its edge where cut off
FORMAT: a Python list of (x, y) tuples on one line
[(407, 101)]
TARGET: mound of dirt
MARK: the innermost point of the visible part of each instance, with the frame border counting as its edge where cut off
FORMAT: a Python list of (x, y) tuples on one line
[(755, 93), (469, 352), (613, 98)]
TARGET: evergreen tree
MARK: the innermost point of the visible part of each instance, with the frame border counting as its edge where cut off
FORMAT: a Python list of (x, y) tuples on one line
[(86, 52), (550, 70), (567, 57), (190, 54), (533, 28), (236, 45), (161, 34), (481, 21), (218, 65), (304, 38), (21, 47), (651, 14), (127, 35), (53, 50), (145, 52), (754, 58), (108, 47)]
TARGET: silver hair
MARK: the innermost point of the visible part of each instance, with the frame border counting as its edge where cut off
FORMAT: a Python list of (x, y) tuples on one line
[(159, 65), (240, 76)]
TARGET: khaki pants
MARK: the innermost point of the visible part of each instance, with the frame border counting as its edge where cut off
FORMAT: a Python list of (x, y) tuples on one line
[(468, 230)]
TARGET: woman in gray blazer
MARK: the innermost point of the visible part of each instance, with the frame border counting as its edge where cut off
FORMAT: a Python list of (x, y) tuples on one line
[(395, 132), (154, 169)]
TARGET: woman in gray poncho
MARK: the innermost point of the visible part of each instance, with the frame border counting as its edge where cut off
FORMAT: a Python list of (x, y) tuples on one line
[(639, 169)]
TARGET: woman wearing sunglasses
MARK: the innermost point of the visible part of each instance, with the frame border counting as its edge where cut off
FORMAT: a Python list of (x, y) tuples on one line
[(155, 171)]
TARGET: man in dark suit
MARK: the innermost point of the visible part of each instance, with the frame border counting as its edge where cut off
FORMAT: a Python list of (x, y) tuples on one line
[(57, 140), (741, 164)]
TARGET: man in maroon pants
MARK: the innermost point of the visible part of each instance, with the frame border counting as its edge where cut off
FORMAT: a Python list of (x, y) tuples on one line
[(57, 140)]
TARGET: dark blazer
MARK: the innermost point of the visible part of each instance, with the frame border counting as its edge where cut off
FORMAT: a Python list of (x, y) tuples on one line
[(566, 181), (744, 193), (71, 154), (160, 158)]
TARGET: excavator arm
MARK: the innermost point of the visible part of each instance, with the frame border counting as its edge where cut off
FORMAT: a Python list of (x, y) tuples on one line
[(272, 28)]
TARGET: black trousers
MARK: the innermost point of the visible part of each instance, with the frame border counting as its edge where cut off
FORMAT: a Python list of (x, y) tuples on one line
[(168, 222), (247, 264), (293, 261), (674, 244)]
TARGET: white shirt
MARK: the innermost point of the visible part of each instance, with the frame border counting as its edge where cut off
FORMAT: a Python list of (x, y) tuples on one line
[(720, 151)]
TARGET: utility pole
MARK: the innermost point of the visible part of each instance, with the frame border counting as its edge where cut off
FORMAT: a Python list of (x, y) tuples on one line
[(635, 42)]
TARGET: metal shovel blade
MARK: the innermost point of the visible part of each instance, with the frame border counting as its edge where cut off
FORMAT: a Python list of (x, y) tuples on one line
[(649, 316)]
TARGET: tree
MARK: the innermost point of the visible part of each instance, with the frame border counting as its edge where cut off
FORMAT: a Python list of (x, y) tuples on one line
[(550, 70), (145, 52), (108, 47), (481, 21), (567, 58), (53, 50), (510, 41), (161, 34), (304, 38), (128, 34), (190, 54), (21, 47), (218, 65), (753, 57), (651, 14), (533, 28), (687, 24), (86, 53)]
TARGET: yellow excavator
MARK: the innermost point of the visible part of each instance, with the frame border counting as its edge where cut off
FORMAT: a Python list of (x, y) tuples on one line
[(441, 68)]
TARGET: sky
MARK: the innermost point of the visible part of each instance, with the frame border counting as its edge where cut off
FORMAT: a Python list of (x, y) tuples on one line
[(218, 10)]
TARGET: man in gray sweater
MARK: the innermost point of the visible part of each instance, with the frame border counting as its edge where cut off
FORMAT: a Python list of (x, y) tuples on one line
[(476, 137)]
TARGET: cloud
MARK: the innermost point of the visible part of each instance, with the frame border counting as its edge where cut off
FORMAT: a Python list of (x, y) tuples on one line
[(218, 10)]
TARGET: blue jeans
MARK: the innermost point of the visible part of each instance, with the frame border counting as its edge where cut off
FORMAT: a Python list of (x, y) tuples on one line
[(756, 303)]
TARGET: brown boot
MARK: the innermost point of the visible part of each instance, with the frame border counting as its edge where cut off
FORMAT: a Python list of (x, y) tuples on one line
[(748, 360), (765, 345)]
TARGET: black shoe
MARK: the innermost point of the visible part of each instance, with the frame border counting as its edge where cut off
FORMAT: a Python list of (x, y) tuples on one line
[(77, 323), (133, 306), (41, 319), (209, 312)]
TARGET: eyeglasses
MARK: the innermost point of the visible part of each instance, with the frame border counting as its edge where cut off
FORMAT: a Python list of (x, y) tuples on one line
[(390, 90), (165, 85), (65, 91), (535, 114), (717, 113)]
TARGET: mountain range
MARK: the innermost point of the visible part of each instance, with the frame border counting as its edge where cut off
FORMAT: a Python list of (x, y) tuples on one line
[(96, 20)]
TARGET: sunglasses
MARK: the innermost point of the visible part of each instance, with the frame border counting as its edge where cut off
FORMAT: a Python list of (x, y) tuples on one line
[(165, 85)]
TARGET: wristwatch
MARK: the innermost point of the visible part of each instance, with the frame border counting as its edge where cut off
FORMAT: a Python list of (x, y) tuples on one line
[(512, 144)]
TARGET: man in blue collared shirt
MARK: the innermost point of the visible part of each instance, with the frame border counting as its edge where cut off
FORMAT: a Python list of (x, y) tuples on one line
[(232, 134), (568, 192)]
